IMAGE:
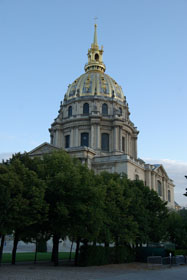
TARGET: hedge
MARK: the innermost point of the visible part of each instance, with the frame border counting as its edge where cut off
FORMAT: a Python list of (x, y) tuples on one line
[(181, 252), (99, 255)]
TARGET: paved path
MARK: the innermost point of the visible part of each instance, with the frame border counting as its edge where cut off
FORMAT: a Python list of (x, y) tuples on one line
[(108, 272)]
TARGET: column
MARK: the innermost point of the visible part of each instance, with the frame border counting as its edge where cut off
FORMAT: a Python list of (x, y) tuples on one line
[(127, 143), (76, 137), (71, 138), (56, 138), (98, 137), (115, 138), (92, 137), (153, 182), (120, 139), (135, 147)]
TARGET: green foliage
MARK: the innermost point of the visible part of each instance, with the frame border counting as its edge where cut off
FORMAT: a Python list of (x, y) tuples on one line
[(180, 252), (98, 255), (5, 200), (150, 212), (42, 246), (56, 196), (177, 228), (118, 223)]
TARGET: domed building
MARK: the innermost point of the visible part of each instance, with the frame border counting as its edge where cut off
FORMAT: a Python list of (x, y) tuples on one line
[(93, 125)]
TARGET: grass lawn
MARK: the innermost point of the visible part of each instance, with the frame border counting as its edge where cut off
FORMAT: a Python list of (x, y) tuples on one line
[(24, 257)]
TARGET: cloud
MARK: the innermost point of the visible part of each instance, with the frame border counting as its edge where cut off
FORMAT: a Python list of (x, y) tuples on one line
[(176, 171)]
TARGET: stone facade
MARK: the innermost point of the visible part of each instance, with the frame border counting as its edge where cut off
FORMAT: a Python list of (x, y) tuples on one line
[(93, 124)]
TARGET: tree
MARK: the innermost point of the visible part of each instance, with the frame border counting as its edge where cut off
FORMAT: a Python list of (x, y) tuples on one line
[(149, 212), (73, 199), (60, 174), (86, 208), (28, 207), (5, 205), (119, 225), (177, 228), (176, 232)]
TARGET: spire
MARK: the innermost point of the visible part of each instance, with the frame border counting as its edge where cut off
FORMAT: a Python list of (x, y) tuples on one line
[(95, 35)]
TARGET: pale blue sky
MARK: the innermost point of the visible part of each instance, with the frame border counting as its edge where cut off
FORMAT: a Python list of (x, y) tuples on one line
[(43, 48)]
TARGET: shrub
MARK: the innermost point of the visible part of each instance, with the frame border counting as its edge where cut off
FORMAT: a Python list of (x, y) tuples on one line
[(180, 252), (98, 255), (42, 246)]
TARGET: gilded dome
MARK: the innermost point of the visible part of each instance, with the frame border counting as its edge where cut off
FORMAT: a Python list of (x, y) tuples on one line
[(94, 82)]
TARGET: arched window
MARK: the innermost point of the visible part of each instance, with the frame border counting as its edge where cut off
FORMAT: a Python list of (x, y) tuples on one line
[(136, 177), (105, 142), (86, 109), (96, 57), (159, 187), (69, 111), (85, 139), (169, 195), (105, 109)]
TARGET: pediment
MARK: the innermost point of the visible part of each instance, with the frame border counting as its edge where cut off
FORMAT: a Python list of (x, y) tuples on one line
[(44, 148), (160, 170)]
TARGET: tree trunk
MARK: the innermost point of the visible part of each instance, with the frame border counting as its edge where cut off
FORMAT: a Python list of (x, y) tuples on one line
[(1, 247), (70, 251), (116, 250), (55, 249), (85, 242), (16, 240), (116, 241), (77, 252), (106, 244), (52, 254), (36, 250)]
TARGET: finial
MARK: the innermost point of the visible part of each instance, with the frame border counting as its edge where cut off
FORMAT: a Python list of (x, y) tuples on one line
[(95, 19)]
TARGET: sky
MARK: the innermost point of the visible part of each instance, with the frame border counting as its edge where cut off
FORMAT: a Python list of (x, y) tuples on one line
[(43, 49)]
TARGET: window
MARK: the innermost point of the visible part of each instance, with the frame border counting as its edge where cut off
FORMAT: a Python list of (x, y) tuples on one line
[(96, 57), (123, 144), (67, 141), (105, 109), (169, 195), (69, 111), (136, 177), (86, 109), (120, 111), (159, 185), (105, 142), (85, 139)]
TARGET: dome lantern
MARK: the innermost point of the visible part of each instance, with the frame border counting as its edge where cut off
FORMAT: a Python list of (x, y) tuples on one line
[(95, 56)]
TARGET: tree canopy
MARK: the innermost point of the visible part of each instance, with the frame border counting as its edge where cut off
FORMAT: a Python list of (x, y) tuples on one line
[(57, 196)]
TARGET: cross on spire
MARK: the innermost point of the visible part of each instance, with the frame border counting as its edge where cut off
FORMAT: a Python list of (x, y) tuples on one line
[(95, 19)]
